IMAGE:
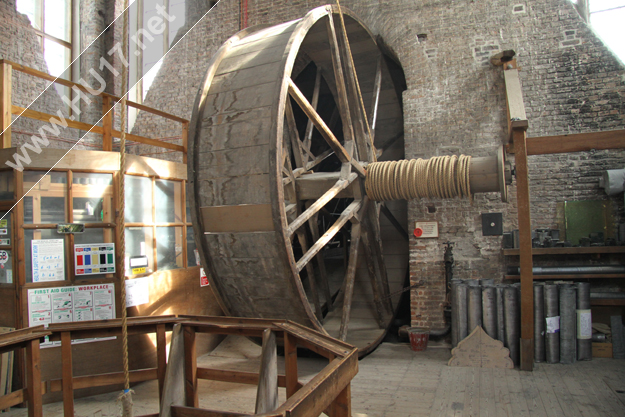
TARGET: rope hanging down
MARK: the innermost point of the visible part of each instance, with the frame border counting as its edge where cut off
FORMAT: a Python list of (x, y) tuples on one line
[(126, 396), (438, 177)]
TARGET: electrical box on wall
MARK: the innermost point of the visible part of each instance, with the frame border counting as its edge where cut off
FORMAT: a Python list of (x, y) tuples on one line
[(492, 224)]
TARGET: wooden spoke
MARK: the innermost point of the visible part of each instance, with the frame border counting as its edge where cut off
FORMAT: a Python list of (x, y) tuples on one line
[(325, 283), (373, 226), (343, 103), (327, 134), (296, 144), (375, 100), (315, 101), (267, 390), (317, 205), (396, 224), (373, 278), (350, 277), (347, 214), (301, 236), (310, 165)]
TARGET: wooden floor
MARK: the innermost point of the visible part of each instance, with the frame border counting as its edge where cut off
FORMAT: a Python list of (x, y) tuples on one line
[(395, 382)]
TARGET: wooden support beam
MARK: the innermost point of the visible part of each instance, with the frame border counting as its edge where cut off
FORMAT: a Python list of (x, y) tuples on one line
[(6, 71), (180, 411), (347, 214), (174, 383), (373, 279), (315, 101), (267, 392), (190, 366), (290, 364), (108, 113), (161, 358), (301, 237), (317, 205), (375, 99), (325, 283), (296, 144), (576, 142), (33, 377), (525, 248), (350, 277), (514, 99), (342, 404), (185, 141), (325, 131), (68, 374), (396, 224)]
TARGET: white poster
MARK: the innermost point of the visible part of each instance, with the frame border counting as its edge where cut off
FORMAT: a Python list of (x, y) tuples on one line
[(553, 324), (70, 304), (137, 291), (584, 324), (48, 260)]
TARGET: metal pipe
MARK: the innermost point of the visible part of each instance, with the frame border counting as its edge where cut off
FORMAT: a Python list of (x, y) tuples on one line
[(454, 311), (463, 324), (475, 307), (489, 310), (539, 322), (571, 270), (584, 322), (568, 341), (552, 324), (500, 315), (512, 323)]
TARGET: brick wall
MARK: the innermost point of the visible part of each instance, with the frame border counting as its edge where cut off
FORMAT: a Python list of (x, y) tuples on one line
[(455, 103)]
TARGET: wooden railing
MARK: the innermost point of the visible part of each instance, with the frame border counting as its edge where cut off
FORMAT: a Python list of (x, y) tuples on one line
[(108, 101), (328, 391), (29, 340)]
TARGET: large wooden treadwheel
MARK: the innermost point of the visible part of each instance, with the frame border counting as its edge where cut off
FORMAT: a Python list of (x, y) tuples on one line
[(278, 151)]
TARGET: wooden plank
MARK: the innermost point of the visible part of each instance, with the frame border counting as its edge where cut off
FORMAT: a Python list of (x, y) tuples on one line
[(190, 367), (320, 203), (45, 117), (174, 384), (185, 141), (576, 142), (12, 399), (6, 72), (296, 144), (33, 377), (375, 98), (68, 374), (101, 380), (350, 277), (347, 214), (161, 358), (315, 101), (525, 244), (267, 392), (373, 280), (239, 218), (325, 131), (301, 237), (325, 283), (316, 341), (290, 364), (179, 411), (107, 124), (514, 98), (481, 351), (342, 404), (238, 377)]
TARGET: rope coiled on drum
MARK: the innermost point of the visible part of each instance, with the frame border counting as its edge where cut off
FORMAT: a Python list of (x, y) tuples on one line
[(437, 177)]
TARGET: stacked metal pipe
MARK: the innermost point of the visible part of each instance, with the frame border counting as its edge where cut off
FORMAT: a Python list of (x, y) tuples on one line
[(562, 320)]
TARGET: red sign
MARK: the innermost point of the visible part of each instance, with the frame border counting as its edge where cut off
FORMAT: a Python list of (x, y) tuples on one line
[(418, 232)]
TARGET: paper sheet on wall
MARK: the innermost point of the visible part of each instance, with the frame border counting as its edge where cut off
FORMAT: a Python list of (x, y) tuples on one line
[(70, 304), (48, 260), (137, 291)]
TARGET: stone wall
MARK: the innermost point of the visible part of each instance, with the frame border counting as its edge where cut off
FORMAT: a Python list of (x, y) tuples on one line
[(455, 103)]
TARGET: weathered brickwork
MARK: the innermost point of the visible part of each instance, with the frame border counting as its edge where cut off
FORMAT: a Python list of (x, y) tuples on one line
[(455, 103)]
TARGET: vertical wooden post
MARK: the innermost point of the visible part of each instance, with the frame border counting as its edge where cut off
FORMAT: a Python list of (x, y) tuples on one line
[(5, 104), (161, 358), (107, 123), (342, 404), (525, 250), (68, 374), (290, 364), (267, 391), (190, 367), (185, 141), (33, 375)]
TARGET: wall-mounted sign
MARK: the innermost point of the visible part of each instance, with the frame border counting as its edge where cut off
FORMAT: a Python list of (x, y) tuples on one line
[(70, 304), (425, 229), (95, 258), (69, 228), (5, 242), (137, 291), (48, 259)]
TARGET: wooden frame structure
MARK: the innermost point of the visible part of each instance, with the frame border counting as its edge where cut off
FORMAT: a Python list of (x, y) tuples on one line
[(109, 101), (328, 391), (522, 147)]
